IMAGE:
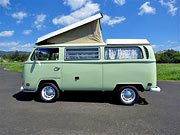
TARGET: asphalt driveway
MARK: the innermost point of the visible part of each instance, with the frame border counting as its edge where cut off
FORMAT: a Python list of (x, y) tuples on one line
[(84, 113)]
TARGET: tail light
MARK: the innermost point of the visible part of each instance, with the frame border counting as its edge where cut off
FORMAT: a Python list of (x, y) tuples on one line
[(27, 84), (149, 84)]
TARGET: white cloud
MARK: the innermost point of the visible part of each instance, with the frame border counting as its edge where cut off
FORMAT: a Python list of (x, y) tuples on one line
[(172, 42), (20, 16), (170, 5), (4, 3), (116, 20), (157, 47), (87, 10), (6, 33), (75, 4), (176, 48), (27, 32), (154, 46), (65, 20), (39, 21), (120, 2), (8, 44), (13, 46), (146, 9), (25, 47), (107, 20)]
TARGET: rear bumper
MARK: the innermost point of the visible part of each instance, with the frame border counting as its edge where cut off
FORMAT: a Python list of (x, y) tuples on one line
[(25, 90), (156, 89)]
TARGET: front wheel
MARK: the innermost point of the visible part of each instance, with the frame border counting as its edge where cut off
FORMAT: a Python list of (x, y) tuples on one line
[(49, 92), (128, 95)]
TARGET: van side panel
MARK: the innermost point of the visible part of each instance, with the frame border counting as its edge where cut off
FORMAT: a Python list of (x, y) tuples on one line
[(92, 74), (34, 72), (82, 76), (129, 73)]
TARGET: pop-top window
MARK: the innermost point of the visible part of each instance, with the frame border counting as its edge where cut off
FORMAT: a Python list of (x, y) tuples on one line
[(45, 54), (82, 53), (118, 53)]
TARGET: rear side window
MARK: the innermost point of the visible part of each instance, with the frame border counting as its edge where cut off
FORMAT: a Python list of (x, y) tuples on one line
[(147, 53), (119, 53), (45, 54), (82, 53)]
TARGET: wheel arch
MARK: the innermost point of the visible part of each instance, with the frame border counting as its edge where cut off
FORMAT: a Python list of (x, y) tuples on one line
[(47, 81), (138, 86)]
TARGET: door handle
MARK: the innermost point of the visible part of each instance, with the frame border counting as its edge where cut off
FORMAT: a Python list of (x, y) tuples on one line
[(56, 68), (76, 78)]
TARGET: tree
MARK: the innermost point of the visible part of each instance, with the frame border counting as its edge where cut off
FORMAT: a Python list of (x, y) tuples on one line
[(24, 57), (168, 56), (15, 56), (6, 57), (177, 57), (165, 58)]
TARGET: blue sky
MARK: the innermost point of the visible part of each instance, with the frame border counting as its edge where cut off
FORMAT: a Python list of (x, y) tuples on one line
[(23, 21)]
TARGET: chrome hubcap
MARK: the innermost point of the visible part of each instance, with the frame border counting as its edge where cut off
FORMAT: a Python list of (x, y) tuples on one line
[(48, 93), (128, 95)]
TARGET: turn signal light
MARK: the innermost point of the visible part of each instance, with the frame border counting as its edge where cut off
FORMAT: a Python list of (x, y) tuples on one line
[(149, 84), (27, 84)]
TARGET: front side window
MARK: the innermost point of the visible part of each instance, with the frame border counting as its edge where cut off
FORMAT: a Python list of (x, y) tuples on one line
[(118, 53), (45, 54), (82, 53)]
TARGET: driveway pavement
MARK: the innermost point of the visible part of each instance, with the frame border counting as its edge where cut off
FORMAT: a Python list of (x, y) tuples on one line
[(84, 113)]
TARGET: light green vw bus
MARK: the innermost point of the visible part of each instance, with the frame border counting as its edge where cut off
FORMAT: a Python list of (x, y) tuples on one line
[(75, 58), (126, 66)]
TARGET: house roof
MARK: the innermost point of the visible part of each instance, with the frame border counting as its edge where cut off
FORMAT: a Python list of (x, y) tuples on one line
[(127, 41), (70, 27)]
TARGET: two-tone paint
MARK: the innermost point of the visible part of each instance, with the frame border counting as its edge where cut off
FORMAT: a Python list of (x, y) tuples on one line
[(91, 75)]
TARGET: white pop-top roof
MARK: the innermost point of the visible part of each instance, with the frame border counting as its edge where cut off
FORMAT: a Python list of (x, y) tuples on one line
[(127, 41), (70, 27)]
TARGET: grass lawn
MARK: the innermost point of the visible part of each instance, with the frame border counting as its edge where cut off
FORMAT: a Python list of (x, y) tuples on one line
[(13, 66), (164, 71), (168, 71)]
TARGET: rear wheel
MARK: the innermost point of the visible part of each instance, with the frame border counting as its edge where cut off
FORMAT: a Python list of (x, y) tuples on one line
[(128, 95), (49, 92)]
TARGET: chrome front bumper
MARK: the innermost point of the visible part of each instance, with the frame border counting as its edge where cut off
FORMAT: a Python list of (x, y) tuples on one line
[(156, 89), (25, 90), (22, 88)]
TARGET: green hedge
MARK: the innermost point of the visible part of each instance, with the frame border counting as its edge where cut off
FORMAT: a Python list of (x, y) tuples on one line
[(168, 56)]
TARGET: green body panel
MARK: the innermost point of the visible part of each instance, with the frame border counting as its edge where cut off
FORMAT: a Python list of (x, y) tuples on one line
[(34, 72), (96, 75), (89, 73), (128, 73)]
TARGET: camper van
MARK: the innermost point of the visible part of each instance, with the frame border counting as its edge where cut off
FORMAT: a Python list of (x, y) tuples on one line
[(63, 61)]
